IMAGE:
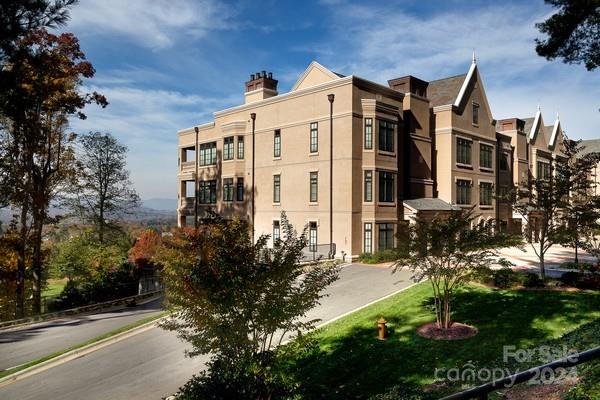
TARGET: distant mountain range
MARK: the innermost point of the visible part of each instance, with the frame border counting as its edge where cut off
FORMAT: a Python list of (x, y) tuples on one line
[(161, 204), (149, 210)]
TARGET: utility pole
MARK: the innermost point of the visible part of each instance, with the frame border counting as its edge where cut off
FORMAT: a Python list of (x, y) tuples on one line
[(330, 97), (197, 150), (253, 118)]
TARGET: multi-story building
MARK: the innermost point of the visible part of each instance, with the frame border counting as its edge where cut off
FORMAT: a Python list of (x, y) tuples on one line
[(349, 158)]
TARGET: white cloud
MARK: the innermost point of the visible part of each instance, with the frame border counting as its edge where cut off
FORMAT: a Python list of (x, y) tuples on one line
[(147, 122), (154, 24), (384, 42)]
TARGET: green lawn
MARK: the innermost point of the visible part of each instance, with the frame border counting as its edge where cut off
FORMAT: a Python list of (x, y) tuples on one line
[(350, 363), (54, 287)]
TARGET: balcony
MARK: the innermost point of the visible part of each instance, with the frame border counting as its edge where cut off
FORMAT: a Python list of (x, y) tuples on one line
[(186, 203), (187, 165)]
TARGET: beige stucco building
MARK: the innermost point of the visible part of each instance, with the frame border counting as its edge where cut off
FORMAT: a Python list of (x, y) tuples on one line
[(398, 150)]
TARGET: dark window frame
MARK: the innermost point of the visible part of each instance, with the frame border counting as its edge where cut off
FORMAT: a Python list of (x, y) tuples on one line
[(208, 191), (277, 188), (386, 130), (240, 147), (314, 137), (486, 190), (208, 153), (475, 113), (368, 186), (228, 152), (368, 237), (228, 189), (464, 151), (486, 154), (314, 186), (277, 143), (387, 181), (239, 189), (385, 236), (368, 136), (463, 191), (312, 236)]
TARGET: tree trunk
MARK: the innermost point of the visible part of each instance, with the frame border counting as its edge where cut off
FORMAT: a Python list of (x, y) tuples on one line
[(36, 264), (542, 266), (21, 260), (576, 251)]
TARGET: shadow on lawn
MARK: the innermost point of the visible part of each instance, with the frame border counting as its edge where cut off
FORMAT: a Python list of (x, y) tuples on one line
[(355, 365)]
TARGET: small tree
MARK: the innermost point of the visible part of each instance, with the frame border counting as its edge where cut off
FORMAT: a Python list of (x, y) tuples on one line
[(145, 249), (236, 299), (103, 190), (448, 250), (580, 209)]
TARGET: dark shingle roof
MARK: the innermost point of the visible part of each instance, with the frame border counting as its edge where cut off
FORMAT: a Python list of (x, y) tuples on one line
[(445, 91), (528, 125), (430, 204), (591, 146)]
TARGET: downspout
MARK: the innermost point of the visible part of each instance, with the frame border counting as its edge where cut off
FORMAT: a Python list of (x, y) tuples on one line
[(253, 118), (330, 97), (196, 181)]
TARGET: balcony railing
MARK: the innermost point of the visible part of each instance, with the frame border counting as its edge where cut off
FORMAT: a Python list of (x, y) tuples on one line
[(186, 202), (187, 165)]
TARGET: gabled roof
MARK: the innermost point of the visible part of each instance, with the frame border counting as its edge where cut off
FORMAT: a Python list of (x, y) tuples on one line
[(445, 91), (314, 74), (556, 132), (430, 204), (454, 90)]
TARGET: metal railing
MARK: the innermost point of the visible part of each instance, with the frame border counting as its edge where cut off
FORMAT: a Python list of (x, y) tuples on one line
[(319, 251), (481, 392)]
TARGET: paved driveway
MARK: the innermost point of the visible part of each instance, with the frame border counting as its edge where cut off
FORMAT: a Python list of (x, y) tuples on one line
[(152, 364)]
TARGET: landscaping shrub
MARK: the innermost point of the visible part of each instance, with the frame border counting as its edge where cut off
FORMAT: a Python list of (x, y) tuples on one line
[(577, 266), (379, 256), (253, 379), (589, 281), (570, 278), (532, 280), (405, 392), (110, 285), (505, 278)]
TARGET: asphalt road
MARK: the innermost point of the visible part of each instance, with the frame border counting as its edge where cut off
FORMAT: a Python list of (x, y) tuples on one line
[(21, 345), (152, 364)]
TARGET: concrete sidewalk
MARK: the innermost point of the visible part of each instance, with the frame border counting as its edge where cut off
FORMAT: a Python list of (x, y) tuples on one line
[(527, 260)]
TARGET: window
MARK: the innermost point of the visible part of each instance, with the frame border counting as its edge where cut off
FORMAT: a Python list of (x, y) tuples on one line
[(228, 189), (463, 191), (314, 186), (475, 114), (277, 143), (240, 189), (368, 245), (228, 148), (314, 137), (240, 149), (386, 187), (368, 185), (208, 153), (208, 192), (543, 170), (312, 237), (485, 156), (276, 233), (368, 133), (485, 194), (276, 188), (386, 236), (386, 136), (463, 151), (504, 162)]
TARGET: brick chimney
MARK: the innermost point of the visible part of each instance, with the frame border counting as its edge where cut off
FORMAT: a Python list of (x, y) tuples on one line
[(409, 84), (260, 86)]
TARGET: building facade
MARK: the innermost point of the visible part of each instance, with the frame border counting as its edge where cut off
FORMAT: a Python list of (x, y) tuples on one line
[(349, 159)]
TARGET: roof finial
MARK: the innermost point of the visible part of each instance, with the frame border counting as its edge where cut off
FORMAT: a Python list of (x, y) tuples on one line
[(474, 59), (557, 116), (539, 109)]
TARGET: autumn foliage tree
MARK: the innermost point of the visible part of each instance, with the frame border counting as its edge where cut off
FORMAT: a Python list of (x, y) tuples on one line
[(145, 249), (43, 79)]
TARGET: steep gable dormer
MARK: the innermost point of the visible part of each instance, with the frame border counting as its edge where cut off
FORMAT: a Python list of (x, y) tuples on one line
[(472, 89), (536, 135), (314, 75)]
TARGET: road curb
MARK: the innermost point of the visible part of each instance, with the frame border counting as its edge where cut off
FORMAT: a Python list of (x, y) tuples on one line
[(76, 353), (77, 311)]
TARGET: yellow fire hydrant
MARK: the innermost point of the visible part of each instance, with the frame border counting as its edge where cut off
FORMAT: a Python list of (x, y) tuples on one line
[(381, 328)]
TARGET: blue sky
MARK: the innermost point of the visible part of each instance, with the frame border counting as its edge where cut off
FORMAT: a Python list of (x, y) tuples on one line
[(168, 64)]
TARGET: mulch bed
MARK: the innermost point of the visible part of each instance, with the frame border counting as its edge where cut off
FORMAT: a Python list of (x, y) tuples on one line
[(456, 331), (538, 392)]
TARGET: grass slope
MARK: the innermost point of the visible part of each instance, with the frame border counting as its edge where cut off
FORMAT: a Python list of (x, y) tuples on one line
[(350, 363)]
